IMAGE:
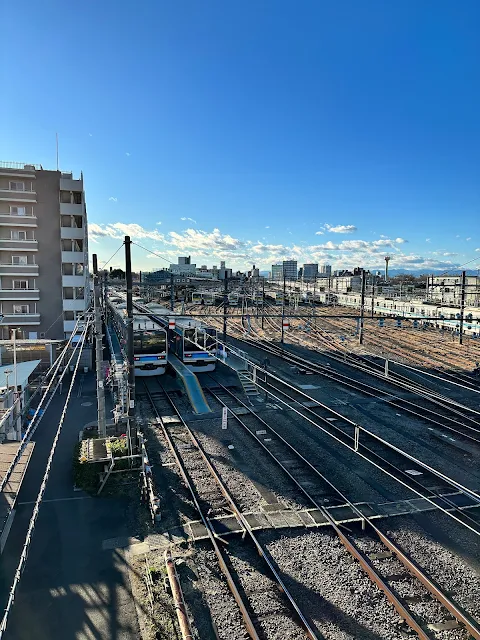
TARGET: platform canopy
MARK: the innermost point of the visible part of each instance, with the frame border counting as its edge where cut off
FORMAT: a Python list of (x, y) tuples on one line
[(24, 371)]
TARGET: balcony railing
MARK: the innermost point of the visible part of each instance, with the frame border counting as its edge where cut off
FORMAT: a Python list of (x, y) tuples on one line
[(20, 165)]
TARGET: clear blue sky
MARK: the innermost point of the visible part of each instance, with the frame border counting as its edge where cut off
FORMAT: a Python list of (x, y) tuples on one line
[(253, 131)]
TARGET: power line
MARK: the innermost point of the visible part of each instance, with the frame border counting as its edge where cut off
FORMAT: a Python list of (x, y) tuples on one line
[(112, 256), (152, 252), (38, 501)]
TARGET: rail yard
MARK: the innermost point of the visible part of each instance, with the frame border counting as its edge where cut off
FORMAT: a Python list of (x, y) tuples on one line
[(310, 486)]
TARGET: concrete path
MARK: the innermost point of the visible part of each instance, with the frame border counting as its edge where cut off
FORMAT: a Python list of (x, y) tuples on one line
[(76, 583)]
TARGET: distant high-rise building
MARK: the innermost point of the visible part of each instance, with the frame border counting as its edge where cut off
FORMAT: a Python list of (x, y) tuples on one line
[(184, 260), (290, 269), (310, 271), (222, 264), (277, 271), (325, 271)]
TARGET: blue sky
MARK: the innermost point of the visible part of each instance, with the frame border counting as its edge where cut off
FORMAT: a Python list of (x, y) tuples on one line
[(253, 131)]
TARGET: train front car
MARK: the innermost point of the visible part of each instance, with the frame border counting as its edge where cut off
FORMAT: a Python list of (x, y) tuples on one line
[(198, 345), (149, 347)]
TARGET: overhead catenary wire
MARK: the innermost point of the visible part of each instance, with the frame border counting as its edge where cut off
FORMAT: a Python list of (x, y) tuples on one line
[(38, 501), (33, 425), (112, 256)]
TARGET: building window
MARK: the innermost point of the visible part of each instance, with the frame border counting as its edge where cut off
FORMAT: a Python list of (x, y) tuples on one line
[(69, 315), (65, 197), (66, 221), (67, 269), (68, 293), (19, 259), (19, 235), (66, 245), (21, 308), (78, 245), (77, 197), (78, 269), (18, 211), (20, 284), (17, 186)]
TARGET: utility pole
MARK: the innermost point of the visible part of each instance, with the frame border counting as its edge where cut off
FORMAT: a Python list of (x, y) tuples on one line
[(283, 304), (462, 304), (225, 305), (362, 304), (172, 293), (373, 295), (102, 423), (263, 300), (131, 428)]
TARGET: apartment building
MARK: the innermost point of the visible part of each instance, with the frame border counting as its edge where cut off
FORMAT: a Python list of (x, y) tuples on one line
[(448, 290), (44, 282), (277, 272)]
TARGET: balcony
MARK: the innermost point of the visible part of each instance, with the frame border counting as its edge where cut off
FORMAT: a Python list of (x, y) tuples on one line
[(7, 244), (9, 269), (67, 209), (7, 220), (72, 233), (73, 256), (74, 305), (20, 319), (73, 281), (68, 184), (20, 294), (9, 195)]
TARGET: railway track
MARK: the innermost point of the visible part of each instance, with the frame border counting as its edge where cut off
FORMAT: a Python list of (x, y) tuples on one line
[(320, 492), (455, 418), (211, 497)]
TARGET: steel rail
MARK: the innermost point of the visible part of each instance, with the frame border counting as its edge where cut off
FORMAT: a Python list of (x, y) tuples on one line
[(240, 517), (427, 394), (408, 483), (211, 534), (412, 567), (364, 388), (471, 494)]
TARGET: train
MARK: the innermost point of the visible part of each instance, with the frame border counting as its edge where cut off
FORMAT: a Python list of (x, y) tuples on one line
[(192, 341), (150, 346), (203, 297)]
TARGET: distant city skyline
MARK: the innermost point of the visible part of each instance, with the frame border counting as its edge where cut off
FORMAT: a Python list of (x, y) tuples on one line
[(255, 133)]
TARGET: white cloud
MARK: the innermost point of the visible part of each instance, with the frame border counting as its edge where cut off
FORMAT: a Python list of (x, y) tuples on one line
[(457, 236), (126, 153), (400, 240), (117, 230), (190, 219), (90, 134), (159, 222), (212, 242), (341, 228), (267, 227), (477, 249), (468, 239), (427, 239), (319, 233), (112, 199)]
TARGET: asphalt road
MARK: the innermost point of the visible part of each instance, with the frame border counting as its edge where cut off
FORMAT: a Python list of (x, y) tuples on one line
[(76, 584)]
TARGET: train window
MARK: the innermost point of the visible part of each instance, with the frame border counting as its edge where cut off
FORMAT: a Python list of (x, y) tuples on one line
[(153, 342)]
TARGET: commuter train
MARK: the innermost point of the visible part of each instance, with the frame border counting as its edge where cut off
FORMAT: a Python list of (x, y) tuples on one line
[(203, 297), (150, 346), (192, 341), (442, 317)]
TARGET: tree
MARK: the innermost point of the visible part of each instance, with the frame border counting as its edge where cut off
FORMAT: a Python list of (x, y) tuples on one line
[(117, 274)]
